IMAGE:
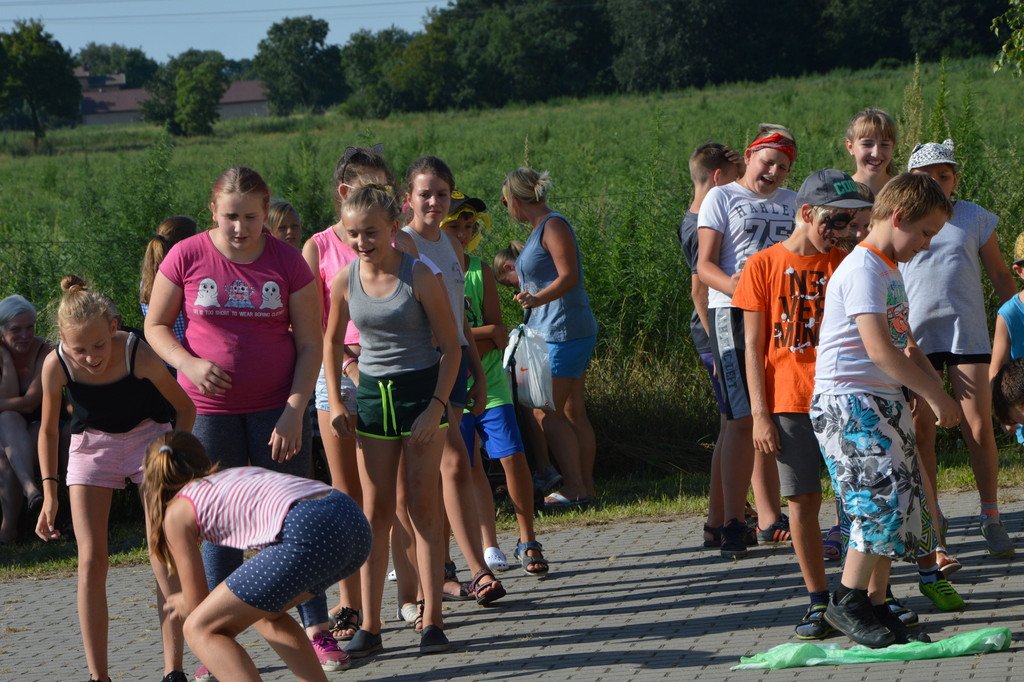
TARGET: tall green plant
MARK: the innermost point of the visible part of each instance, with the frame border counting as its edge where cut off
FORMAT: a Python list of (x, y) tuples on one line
[(147, 190)]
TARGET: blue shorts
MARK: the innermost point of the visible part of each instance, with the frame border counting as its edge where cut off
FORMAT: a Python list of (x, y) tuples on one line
[(569, 359), (709, 364), (322, 541), (457, 398), (498, 429), (348, 393)]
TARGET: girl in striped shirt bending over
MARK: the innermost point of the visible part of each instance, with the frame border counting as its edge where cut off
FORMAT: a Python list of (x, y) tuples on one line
[(309, 535)]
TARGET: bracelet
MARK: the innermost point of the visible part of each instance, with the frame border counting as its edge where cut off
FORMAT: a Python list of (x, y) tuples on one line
[(443, 403), (51, 478), (348, 362)]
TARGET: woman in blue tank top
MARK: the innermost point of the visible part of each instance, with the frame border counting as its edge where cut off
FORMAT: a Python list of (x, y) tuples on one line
[(550, 271)]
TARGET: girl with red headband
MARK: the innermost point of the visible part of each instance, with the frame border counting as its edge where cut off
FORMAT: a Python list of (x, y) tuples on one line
[(736, 221)]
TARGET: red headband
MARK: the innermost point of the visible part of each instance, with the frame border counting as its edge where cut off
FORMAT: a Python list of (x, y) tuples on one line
[(775, 141)]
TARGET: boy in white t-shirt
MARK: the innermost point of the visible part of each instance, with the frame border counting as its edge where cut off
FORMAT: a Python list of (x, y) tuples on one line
[(863, 420)]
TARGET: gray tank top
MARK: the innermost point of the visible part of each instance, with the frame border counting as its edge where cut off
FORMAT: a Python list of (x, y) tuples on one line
[(394, 332), (448, 262)]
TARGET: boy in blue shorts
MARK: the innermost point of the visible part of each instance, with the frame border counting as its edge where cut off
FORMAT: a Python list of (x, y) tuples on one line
[(712, 164), (781, 291), (862, 419)]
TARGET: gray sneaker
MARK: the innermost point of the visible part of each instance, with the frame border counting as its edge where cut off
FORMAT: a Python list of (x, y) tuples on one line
[(999, 542)]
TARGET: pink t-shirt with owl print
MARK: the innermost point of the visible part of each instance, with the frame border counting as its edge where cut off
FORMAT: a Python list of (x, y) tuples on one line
[(236, 315)]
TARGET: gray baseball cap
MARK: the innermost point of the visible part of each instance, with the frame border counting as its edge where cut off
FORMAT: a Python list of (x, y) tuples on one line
[(830, 187)]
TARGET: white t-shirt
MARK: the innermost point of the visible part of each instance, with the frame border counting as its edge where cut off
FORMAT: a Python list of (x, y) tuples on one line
[(947, 302), (749, 222), (865, 282)]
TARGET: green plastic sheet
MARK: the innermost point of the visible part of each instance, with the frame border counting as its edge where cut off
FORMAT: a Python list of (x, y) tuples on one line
[(795, 655)]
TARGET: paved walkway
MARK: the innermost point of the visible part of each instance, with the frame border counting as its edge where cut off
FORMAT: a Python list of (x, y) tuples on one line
[(625, 600)]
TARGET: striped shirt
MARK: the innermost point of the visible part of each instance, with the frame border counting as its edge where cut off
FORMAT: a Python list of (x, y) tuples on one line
[(245, 507)]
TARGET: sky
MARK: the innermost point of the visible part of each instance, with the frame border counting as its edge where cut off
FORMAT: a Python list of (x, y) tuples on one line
[(164, 28)]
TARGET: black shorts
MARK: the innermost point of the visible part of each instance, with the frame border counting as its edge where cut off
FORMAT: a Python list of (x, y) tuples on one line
[(943, 360), (727, 344), (387, 406)]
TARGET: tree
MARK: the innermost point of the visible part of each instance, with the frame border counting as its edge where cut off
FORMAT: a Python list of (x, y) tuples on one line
[(163, 86), (1010, 29), (40, 73), (199, 90), (297, 69), (106, 60), (366, 60)]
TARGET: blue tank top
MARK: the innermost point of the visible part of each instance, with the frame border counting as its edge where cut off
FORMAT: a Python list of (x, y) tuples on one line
[(1012, 313), (563, 319)]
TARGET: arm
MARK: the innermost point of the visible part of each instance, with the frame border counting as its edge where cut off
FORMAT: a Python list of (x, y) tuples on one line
[(699, 296), (559, 243), (8, 377), (164, 306), (311, 254), (874, 332), (148, 365), (1000, 348), (766, 436), (33, 395), (708, 253), (304, 315), (335, 355), (492, 334), (182, 535), (53, 380), (998, 273), (434, 300), (476, 398)]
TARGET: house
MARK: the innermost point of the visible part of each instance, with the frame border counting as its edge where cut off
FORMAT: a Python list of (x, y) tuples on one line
[(108, 105)]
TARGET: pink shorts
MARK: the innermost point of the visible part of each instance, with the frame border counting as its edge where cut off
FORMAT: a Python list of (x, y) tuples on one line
[(105, 460)]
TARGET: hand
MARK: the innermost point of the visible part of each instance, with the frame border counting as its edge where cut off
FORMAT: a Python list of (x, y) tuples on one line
[(286, 438), (343, 424), (766, 436), (476, 399), (427, 426), (946, 409), (47, 517), (734, 157), (207, 376), (526, 300), (174, 606)]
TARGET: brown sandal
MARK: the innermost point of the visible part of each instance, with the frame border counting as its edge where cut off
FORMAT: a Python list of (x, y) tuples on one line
[(486, 593)]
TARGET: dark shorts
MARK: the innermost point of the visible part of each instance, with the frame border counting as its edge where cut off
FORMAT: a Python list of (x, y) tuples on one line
[(728, 348), (708, 359), (801, 460), (457, 398), (322, 541), (942, 360), (386, 407)]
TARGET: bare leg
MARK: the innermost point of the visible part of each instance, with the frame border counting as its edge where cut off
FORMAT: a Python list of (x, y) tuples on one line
[(807, 543), (378, 470), (520, 489), (716, 511), (765, 482), (170, 628), (971, 388), (737, 465), (484, 500), (423, 463), (576, 412), (924, 433), (21, 451), (456, 479), (11, 500), (90, 511), (344, 470), (403, 543), (533, 432), (211, 630)]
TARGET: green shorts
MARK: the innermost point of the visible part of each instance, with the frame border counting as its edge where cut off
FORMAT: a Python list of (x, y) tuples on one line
[(386, 407)]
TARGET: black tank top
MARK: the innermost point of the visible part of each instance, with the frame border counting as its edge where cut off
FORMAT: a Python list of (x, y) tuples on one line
[(117, 407)]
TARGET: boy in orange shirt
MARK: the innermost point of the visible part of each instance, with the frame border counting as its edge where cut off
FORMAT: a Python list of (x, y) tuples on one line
[(782, 293)]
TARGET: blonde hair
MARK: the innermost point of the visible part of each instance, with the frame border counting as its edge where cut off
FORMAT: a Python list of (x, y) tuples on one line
[(80, 305), (527, 185), (767, 129), (873, 123), (279, 210), (507, 255), (916, 193), (168, 233), (172, 460), (372, 197)]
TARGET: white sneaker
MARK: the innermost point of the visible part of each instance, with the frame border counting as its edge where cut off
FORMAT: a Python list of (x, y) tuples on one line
[(495, 559), (203, 674), (392, 576)]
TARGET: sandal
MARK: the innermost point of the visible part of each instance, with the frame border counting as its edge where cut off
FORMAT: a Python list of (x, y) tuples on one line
[(487, 592), (345, 622), (948, 565), (535, 566), (712, 536), (834, 544)]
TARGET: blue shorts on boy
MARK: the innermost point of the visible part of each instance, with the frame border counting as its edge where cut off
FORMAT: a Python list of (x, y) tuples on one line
[(498, 429)]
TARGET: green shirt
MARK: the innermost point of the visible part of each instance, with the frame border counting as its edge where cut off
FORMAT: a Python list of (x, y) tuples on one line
[(498, 390)]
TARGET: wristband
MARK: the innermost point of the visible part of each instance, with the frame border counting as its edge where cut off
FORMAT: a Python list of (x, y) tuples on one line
[(51, 478), (345, 364), (443, 403)]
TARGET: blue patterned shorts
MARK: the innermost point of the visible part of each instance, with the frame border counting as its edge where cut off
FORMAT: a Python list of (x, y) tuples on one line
[(868, 445)]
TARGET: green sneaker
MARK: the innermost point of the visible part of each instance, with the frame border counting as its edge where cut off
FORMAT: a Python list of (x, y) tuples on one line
[(943, 595)]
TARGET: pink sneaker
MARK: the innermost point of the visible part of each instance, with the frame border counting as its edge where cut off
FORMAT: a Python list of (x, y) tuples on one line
[(203, 674), (332, 658)]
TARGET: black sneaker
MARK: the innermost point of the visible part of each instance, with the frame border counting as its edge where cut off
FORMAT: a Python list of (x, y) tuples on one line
[(813, 624), (906, 615), (363, 644), (855, 618), (901, 632), (433, 640), (175, 676), (734, 543)]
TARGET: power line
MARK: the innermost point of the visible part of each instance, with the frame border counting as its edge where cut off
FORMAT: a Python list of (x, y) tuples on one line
[(234, 12)]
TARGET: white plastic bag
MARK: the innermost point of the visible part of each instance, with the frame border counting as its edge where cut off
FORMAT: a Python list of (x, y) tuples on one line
[(528, 367)]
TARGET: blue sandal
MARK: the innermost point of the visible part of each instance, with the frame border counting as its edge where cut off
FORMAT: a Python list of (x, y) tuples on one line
[(538, 563)]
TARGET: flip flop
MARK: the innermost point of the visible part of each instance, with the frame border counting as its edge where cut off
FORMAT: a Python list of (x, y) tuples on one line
[(560, 500)]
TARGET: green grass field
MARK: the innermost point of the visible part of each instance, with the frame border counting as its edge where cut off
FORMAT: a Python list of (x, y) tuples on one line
[(89, 198)]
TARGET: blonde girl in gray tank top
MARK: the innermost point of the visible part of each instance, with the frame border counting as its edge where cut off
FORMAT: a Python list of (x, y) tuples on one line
[(370, 221)]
